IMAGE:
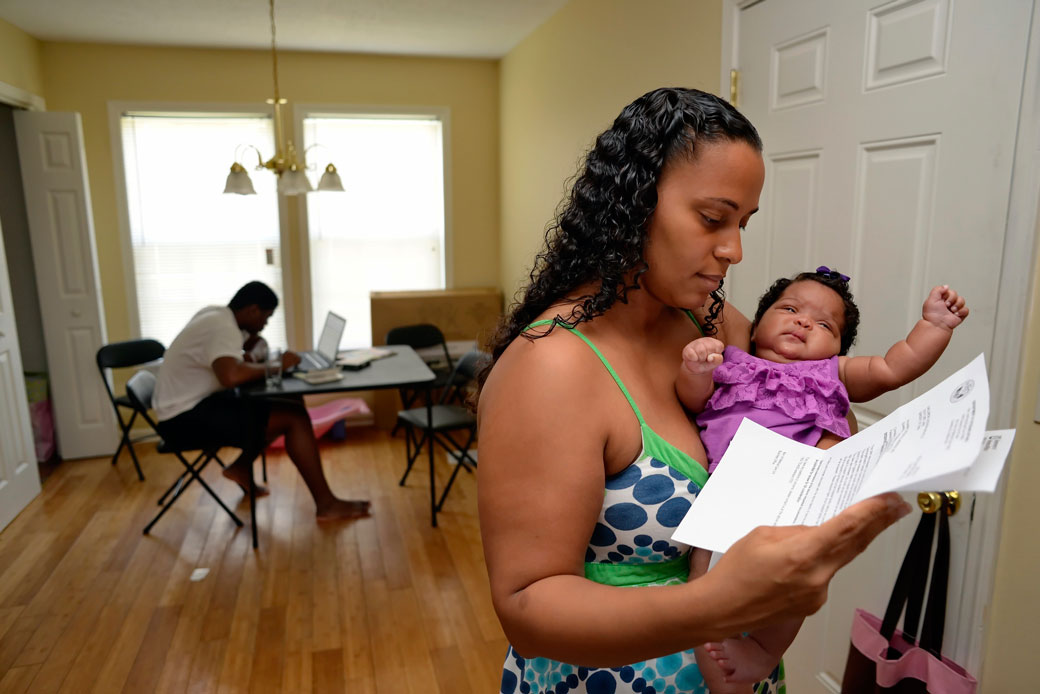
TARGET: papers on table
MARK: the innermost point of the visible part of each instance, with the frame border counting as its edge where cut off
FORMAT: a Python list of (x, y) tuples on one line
[(935, 442), (359, 358)]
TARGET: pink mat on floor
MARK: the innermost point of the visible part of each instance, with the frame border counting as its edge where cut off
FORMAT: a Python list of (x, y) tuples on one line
[(325, 416)]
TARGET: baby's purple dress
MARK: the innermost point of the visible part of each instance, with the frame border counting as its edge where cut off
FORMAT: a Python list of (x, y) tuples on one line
[(799, 400)]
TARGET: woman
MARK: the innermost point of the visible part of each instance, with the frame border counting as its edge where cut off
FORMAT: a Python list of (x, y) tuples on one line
[(588, 461)]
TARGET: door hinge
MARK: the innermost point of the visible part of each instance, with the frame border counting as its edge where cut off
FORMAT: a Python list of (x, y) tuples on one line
[(734, 87)]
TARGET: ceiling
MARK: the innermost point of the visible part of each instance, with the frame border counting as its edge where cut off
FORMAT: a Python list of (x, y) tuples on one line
[(458, 28)]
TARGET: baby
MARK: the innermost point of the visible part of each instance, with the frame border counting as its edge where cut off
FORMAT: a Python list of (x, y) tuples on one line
[(797, 381)]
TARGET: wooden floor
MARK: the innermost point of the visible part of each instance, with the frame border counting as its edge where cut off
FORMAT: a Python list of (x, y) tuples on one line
[(384, 604)]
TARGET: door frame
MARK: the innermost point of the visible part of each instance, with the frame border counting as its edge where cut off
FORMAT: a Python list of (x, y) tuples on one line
[(115, 112), (1005, 362), (16, 96)]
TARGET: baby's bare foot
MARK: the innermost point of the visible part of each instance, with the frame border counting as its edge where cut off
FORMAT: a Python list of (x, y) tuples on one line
[(241, 478), (343, 509), (742, 660)]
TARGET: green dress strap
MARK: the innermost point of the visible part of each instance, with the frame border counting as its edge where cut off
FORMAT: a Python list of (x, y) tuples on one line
[(696, 322), (594, 348)]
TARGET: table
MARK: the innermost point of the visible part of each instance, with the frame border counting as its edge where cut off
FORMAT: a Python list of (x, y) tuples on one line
[(404, 369)]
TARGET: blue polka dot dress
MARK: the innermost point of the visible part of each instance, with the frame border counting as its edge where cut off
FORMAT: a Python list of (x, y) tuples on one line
[(631, 546)]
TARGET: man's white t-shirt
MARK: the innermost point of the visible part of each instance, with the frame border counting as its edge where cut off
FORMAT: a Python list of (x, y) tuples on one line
[(186, 375)]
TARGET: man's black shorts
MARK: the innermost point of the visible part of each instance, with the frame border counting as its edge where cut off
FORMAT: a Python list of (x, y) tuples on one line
[(221, 419)]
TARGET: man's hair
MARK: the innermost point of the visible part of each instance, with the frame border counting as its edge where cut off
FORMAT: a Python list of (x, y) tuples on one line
[(256, 293)]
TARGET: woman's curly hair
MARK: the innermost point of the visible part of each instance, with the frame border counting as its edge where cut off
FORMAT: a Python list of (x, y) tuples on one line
[(599, 234), (831, 280)]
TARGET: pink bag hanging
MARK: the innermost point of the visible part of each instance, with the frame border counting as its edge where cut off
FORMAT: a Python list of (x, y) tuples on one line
[(885, 659)]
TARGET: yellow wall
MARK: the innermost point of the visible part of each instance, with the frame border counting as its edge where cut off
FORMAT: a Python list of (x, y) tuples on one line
[(1015, 611), (85, 77), (20, 59), (568, 80)]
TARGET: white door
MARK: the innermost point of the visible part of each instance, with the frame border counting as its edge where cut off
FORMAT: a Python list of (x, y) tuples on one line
[(889, 133), (19, 475), (61, 226)]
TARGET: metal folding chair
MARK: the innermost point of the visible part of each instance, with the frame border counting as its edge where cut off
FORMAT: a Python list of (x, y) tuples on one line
[(441, 424), (423, 336), (140, 389), (121, 355)]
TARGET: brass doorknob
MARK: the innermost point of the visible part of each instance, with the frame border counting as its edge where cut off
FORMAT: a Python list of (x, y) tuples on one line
[(930, 502)]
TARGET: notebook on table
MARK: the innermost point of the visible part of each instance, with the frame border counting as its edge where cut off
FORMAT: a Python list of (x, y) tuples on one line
[(324, 355)]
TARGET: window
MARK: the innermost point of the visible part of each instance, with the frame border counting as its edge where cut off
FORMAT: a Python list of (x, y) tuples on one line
[(192, 245), (386, 232)]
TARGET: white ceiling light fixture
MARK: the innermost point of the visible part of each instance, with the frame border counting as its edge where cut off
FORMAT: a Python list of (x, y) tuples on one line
[(286, 163)]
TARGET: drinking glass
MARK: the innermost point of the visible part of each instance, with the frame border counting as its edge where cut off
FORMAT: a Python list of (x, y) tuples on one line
[(273, 369)]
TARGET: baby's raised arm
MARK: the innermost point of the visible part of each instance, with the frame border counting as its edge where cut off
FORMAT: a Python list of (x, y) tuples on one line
[(694, 384), (868, 377)]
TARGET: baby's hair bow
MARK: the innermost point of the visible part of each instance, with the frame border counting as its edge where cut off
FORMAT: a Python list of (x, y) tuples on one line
[(832, 274)]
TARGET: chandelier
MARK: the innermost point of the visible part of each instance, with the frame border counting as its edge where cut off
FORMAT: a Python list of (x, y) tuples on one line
[(286, 163)]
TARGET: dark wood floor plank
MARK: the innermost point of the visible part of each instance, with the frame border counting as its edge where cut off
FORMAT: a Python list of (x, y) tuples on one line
[(17, 680), (327, 671), (269, 653)]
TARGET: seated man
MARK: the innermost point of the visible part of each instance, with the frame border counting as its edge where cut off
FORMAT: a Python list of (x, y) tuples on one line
[(195, 407)]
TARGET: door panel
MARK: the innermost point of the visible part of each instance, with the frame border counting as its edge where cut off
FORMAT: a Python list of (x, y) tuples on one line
[(50, 147)]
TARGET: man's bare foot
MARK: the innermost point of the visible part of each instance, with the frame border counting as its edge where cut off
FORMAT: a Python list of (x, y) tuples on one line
[(342, 509), (241, 478)]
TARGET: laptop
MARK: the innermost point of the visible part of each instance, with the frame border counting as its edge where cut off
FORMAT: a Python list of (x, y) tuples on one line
[(324, 357)]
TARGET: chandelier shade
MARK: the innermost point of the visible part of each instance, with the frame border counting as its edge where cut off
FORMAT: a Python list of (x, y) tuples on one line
[(238, 181), (289, 166), (293, 182), (330, 180)]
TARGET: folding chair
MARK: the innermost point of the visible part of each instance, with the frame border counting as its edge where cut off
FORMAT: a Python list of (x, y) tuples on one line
[(423, 336), (139, 390), (120, 355), (444, 421)]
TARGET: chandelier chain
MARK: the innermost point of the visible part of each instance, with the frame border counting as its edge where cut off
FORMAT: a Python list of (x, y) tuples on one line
[(274, 53), (286, 163)]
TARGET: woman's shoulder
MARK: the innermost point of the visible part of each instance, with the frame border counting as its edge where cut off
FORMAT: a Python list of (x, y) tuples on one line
[(542, 353), (544, 383)]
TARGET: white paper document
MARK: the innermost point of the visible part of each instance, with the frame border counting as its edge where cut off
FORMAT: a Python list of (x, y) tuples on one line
[(935, 442)]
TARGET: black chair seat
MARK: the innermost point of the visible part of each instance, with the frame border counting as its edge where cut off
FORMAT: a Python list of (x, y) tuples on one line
[(123, 401), (445, 417)]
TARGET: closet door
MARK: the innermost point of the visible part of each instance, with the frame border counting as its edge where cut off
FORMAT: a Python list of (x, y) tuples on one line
[(61, 226), (19, 475)]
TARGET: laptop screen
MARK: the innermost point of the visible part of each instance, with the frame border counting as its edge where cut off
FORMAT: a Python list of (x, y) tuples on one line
[(328, 343)]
